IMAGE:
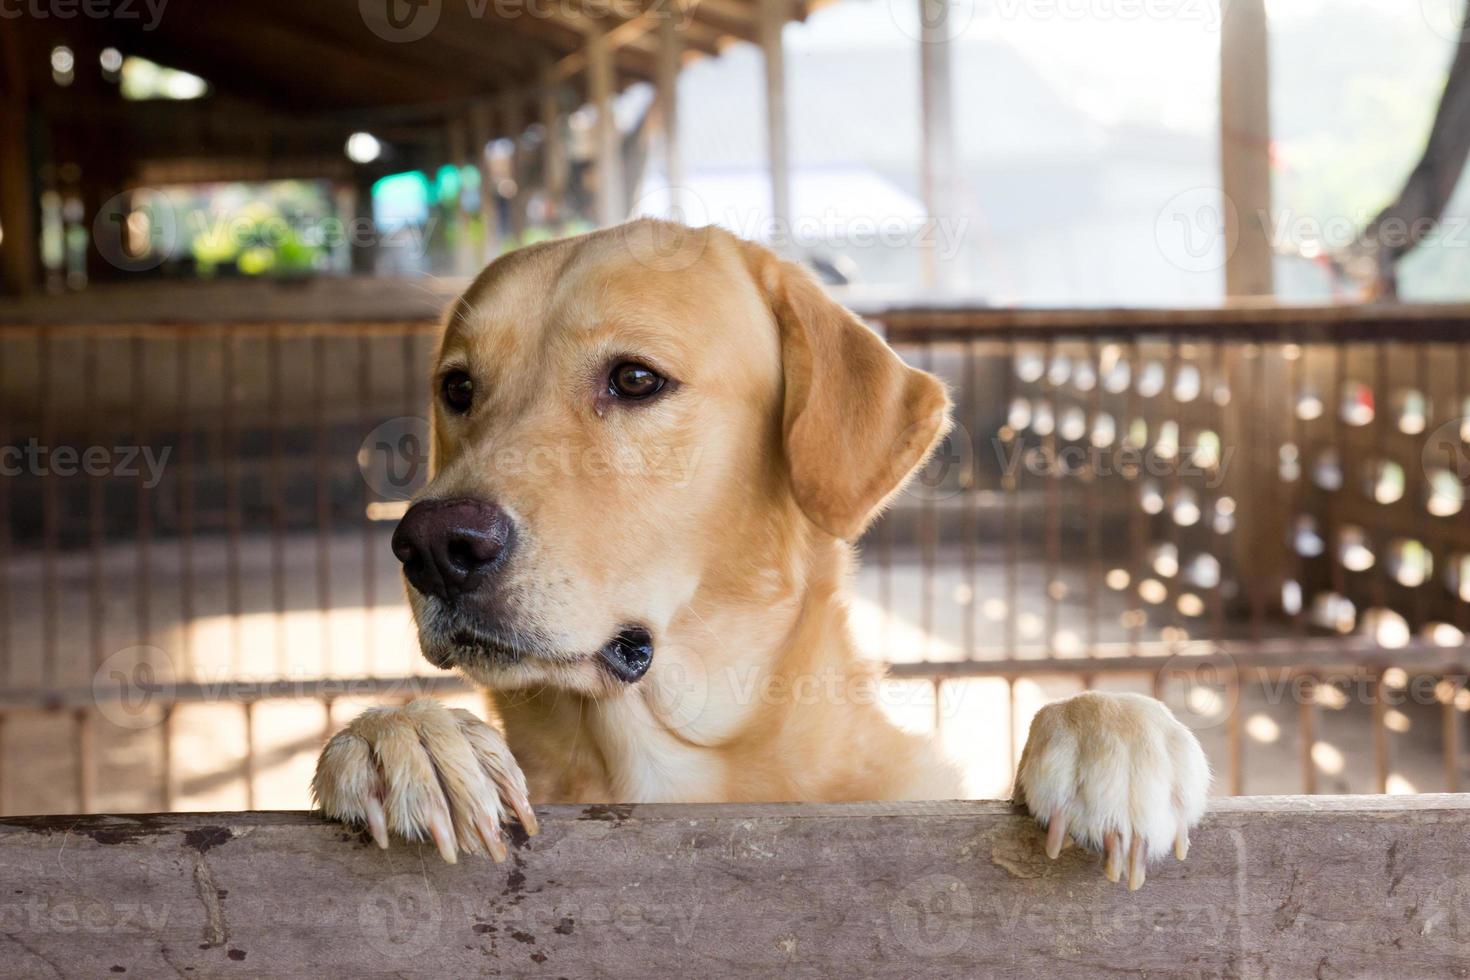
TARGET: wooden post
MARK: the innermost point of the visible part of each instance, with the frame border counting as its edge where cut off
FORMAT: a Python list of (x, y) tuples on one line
[(611, 208), (773, 16), (938, 165), (670, 50), (513, 120), (1245, 148), (17, 198), (553, 148), (480, 129), (463, 248)]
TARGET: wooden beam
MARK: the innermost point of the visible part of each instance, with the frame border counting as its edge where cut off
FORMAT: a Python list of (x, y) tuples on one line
[(938, 164), (773, 17), (611, 208), (1278, 886), (1245, 149)]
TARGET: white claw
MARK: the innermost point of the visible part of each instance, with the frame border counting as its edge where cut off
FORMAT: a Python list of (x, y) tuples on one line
[(1056, 833), (442, 830), (377, 822)]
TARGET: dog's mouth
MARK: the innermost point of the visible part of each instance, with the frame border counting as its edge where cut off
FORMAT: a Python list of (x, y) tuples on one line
[(628, 655), (625, 658)]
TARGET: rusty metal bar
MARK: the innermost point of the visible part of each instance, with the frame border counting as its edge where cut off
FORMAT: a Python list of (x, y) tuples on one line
[(49, 518), (275, 412), (233, 520), (96, 516), (369, 552), (247, 708), (187, 504), (143, 596), (323, 499)]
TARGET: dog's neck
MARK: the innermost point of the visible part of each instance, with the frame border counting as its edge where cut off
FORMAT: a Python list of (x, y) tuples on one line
[(758, 696)]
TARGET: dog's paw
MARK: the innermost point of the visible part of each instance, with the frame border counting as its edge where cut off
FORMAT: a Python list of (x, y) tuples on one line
[(424, 771), (1117, 773)]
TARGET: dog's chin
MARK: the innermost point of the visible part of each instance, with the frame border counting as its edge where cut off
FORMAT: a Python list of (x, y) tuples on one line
[(501, 663)]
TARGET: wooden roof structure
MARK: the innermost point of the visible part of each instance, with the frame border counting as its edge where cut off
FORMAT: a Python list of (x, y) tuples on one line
[(299, 76)]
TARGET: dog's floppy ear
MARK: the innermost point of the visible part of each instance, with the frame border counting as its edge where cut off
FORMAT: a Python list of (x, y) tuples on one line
[(858, 420)]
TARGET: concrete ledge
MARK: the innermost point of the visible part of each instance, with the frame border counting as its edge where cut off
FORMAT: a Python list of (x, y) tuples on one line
[(1274, 886)]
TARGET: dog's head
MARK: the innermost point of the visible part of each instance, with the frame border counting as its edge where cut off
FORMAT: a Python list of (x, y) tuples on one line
[(634, 431)]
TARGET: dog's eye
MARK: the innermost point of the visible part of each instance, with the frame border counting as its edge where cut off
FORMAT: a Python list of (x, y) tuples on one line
[(458, 389), (634, 381)]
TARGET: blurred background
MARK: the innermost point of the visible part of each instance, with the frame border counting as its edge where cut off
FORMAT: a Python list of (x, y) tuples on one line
[(1196, 273)]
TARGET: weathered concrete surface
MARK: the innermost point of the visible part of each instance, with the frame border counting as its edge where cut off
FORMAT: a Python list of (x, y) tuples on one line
[(1274, 887)]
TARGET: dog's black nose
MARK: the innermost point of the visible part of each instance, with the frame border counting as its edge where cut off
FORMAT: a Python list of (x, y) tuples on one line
[(448, 547)]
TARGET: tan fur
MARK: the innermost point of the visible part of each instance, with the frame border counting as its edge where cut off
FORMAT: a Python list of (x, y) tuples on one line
[(719, 515)]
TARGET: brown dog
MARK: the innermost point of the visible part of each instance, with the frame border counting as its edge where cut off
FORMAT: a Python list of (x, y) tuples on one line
[(653, 447)]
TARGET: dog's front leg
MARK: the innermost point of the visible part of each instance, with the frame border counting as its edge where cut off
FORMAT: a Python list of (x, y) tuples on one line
[(424, 771), (1117, 773)]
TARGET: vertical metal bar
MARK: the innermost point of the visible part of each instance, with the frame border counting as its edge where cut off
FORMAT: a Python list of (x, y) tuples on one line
[(323, 499), (1137, 520), (929, 537), (82, 740), (1293, 496), (144, 557), (184, 414), (1462, 404), (1380, 734), (7, 551), (1234, 740), (248, 708), (938, 684), (1260, 465), (1449, 729), (1012, 749), (1378, 541), (369, 552), (970, 524), (274, 412), (228, 340), (1090, 477), (1218, 545), (166, 747), (328, 727), (3, 810), (96, 511), (1415, 483), (49, 515), (1009, 482), (1176, 483), (1307, 733), (1051, 500), (1328, 528)]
